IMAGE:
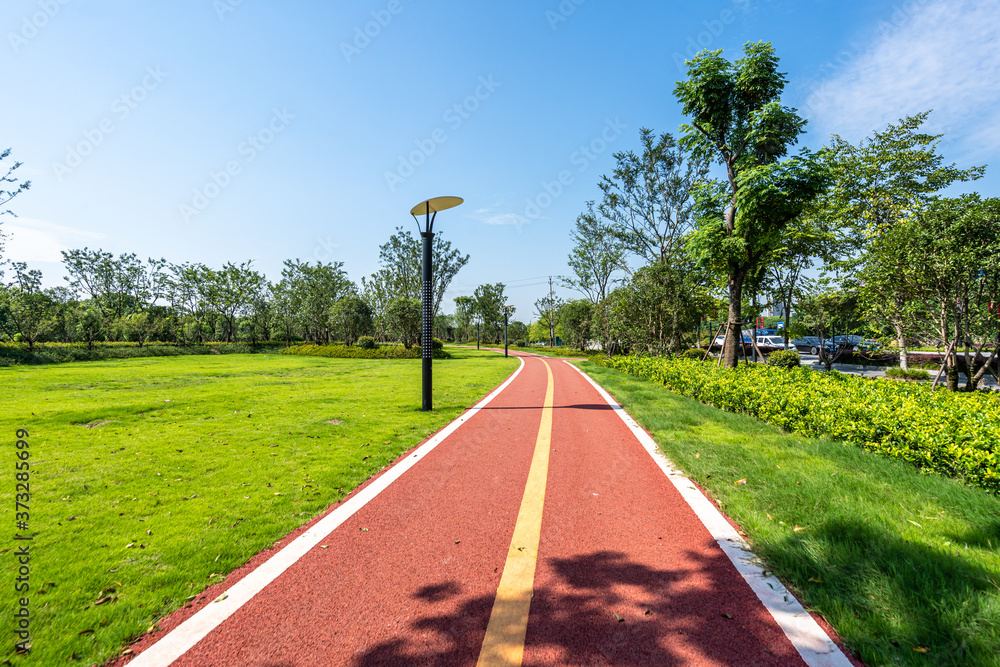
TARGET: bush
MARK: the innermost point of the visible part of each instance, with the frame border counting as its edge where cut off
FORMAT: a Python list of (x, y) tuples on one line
[(693, 353), (366, 343), (784, 359), (357, 352), (950, 433), (15, 354), (520, 343), (437, 344), (912, 374)]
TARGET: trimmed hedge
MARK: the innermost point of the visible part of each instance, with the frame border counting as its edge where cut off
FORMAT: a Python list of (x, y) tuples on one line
[(912, 374), (784, 359), (18, 354), (355, 352), (954, 434)]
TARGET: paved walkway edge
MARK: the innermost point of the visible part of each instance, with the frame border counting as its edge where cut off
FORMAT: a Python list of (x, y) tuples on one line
[(802, 630), (194, 629)]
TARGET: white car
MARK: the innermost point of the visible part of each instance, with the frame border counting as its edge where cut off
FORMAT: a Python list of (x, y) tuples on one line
[(770, 343)]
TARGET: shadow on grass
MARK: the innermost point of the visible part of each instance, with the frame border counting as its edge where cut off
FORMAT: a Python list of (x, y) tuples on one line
[(866, 573), (572, 622)]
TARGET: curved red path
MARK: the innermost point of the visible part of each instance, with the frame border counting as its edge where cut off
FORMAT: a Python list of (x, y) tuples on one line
[(417, 587)]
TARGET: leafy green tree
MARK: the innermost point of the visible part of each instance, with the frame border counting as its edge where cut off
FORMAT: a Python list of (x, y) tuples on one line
[(648, 198), (230, 293), (10, 187), (352, 318), (942, 267), (737, 120), (576, 317), (547, 311), (27, 309), (879, 183), (826, 313), (401, 271), (465, 313), (598, 254), (88, 323), (403, 318), (312, 292), (490, 300)]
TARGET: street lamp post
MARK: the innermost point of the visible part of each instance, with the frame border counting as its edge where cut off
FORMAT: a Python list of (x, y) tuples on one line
[(506, 312), (429, 209)]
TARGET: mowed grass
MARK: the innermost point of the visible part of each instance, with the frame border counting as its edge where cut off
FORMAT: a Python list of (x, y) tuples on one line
[(153, 478), (905, 566)]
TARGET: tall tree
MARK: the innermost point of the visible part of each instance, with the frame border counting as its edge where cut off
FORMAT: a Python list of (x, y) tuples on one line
[(648, 198), (737, 120), (231, 291), (10, 187), (400, 259), (313, 290), (879, 183), (490, 300), (26, 309), (598, 254)]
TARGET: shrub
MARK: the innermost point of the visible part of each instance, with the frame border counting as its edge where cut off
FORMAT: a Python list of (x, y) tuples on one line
[(356, 352), (950, 433), (912, 374), (437, 344), (693, 353), (366, 343), (520, 343), (784, 359)]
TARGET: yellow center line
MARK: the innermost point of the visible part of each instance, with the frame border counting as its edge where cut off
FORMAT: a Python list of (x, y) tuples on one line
[(504, 643)]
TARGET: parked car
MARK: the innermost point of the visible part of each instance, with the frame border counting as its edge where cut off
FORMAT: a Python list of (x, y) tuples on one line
[(808, 344), (845, 343), (772, 343), (720, 339)]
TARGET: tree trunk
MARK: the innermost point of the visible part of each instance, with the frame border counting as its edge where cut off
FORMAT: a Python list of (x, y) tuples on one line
[(901, 341), (734, 335)]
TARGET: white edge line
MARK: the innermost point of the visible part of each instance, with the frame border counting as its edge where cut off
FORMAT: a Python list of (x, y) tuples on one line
[(809, 639), (182, 638)]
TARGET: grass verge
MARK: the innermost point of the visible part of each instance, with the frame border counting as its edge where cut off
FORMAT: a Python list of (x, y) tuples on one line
[(153, 478), (905, 566)]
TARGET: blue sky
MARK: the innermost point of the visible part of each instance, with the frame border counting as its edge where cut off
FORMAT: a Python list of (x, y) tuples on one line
[(227, 130)]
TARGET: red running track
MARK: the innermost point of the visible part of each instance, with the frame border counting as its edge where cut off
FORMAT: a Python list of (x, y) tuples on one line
[(626, 573)]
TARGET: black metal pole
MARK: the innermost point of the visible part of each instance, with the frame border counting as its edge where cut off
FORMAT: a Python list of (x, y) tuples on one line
[(477, 335), (505, 333), (426, 335)]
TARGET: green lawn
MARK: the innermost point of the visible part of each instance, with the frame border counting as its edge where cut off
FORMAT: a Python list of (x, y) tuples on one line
[(152, 478), (905, 566)]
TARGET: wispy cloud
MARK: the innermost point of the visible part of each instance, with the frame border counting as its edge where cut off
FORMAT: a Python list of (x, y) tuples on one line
[(31, 240), (942, 55)]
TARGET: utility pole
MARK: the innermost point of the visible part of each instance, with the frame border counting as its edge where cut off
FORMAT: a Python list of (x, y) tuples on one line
[(552, 323)]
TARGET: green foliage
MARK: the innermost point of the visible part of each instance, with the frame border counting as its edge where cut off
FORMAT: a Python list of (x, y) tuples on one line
[(575, 317), (693, 353), (358, 352), (597, 255), (942, 432), (351, 317), (737, 120), (366, 343), (910, 374), (15, 354), (403, 318), (784, 359)]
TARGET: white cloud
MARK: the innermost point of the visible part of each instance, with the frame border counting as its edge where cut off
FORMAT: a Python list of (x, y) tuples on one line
[(30, 240), (930, 54)]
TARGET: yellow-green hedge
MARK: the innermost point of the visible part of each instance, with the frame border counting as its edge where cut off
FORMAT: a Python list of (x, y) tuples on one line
[(955, 434)]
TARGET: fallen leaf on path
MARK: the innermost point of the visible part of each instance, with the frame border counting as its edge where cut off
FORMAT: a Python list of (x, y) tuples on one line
[(364, 530), (618, 617), (725, 615), (221, 597)]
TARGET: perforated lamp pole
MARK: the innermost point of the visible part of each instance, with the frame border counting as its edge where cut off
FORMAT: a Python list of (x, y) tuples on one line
[(429, 209), (506, 313)]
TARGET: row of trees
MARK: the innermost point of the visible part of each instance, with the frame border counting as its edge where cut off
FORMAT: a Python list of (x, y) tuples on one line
[(111, 298), (852, 238)]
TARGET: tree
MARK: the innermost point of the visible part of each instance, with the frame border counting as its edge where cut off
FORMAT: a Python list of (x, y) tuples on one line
[(465, 313), (27, 309), (828, 312), (352, 318), (576, 316), (9, 188), (547, 312), (597, 255), (312, 292), (490, 300), (648, 198), (118, 286), (230, 292), (738, 121), (401, 271), (879, 183), (403, 318), (941, 269)]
